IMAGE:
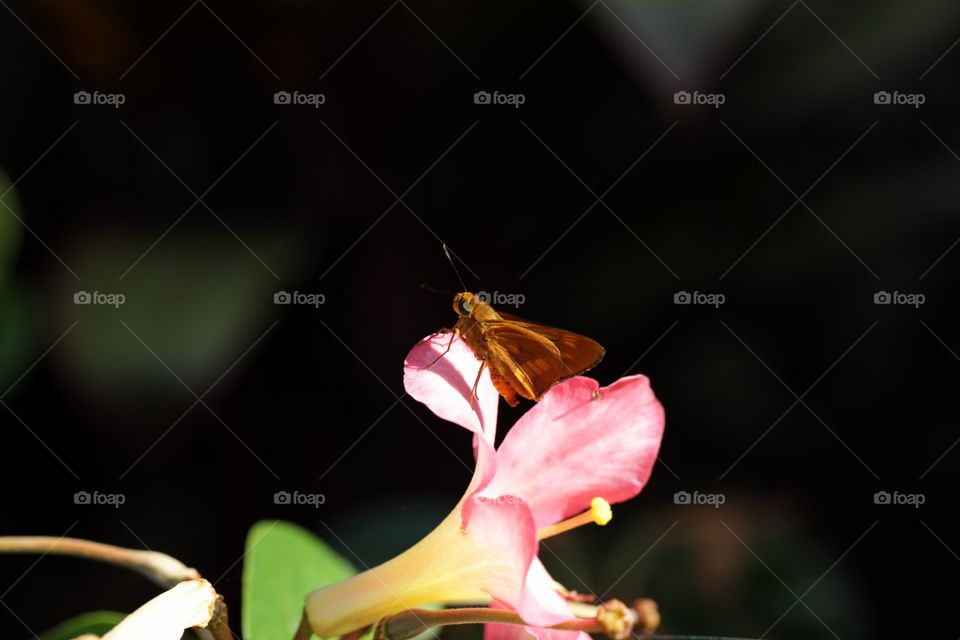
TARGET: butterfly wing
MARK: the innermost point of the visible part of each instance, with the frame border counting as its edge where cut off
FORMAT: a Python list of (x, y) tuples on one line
[(529, 362), (578, 353)]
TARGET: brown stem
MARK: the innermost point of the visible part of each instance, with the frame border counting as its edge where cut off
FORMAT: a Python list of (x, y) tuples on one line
[(219, 627), (612, 618), (304, 632), (165, 571), (415, 621)]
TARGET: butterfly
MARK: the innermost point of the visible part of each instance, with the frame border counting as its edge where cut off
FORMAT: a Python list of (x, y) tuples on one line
[(524, 358)]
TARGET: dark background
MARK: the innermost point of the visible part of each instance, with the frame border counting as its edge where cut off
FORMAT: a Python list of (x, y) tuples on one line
[(797, 399)]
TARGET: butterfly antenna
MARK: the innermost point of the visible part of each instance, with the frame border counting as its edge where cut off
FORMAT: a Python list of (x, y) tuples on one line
[(427, 287), (446, 251)]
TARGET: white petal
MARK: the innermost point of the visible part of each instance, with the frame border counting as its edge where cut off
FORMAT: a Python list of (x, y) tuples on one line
[(189, 604)]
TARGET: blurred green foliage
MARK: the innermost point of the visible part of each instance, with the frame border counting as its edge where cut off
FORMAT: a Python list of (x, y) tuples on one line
[(195, 304), (95, 622), (10, 228), (16, 332)]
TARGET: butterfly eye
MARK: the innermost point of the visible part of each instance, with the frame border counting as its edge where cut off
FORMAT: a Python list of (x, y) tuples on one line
[(466, 306)]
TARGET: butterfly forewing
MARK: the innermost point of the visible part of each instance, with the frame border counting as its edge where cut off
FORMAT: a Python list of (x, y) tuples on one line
[(578, 353), (529, 362)]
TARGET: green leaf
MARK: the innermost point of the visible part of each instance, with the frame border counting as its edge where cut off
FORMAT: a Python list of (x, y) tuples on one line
[(284, 563), (96, 622)]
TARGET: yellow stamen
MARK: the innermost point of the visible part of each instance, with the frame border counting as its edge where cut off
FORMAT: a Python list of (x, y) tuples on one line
[(600, 513)]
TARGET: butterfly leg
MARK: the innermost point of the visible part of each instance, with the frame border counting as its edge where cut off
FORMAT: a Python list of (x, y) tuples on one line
[(453, 335), (476, 383), (436, 333)]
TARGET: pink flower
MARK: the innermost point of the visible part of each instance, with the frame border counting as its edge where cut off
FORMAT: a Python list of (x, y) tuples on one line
[(579, 449)]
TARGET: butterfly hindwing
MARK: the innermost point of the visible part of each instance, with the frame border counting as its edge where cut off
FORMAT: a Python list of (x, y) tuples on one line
[(529, 361), (578, 353)]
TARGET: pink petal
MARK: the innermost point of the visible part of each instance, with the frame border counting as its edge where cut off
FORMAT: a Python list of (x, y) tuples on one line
[(505, 631), (580, 442), (556, 634), (483, 474), (445, 385), (540, 588), (508, 521), (522, 632)]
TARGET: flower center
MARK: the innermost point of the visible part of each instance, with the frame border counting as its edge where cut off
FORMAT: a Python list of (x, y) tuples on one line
[(599, 513)]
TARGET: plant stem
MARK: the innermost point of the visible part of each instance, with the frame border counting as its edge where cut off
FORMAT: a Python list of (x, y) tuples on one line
[(165, 571), (304, 632), (415, 621), (219, 627)]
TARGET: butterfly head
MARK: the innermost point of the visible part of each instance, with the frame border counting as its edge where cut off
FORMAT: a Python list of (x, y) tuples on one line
[(463, 303)]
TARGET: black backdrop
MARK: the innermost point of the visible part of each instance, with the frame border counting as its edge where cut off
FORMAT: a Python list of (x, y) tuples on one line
[(599, 199)]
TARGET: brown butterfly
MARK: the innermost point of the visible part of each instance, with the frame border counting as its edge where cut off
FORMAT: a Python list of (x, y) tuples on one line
[(524, 358)]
